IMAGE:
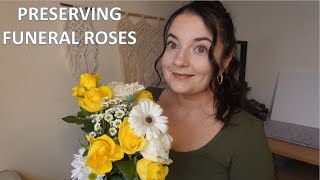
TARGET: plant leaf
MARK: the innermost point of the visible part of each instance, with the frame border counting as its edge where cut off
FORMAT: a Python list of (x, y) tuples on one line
[(89, 127), (115, 177), (81, 115), (73, 119), (85, 112), (127, 168)]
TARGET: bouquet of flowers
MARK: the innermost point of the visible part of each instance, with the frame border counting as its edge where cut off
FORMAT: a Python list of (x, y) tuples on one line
[(126, 133)]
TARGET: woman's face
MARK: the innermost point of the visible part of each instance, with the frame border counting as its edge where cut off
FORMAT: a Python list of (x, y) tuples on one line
[(185, 63)]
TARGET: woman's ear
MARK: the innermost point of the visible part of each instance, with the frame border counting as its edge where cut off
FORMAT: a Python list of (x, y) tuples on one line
[(226, 63)]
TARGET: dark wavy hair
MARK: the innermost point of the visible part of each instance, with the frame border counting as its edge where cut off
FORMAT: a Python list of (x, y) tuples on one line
[(231, 94)]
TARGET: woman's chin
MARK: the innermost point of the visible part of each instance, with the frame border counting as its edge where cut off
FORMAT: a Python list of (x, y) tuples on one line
[(181, 88)]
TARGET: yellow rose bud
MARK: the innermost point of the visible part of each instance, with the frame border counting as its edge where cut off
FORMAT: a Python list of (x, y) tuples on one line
[(129, 142), (105, 91), (89, 81), (150, 170), (78, 91), (102, 152), (143, 94), (93, 98)]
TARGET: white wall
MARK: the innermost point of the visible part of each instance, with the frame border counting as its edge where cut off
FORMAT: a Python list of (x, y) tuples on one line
[(36, 92), (282, 36)]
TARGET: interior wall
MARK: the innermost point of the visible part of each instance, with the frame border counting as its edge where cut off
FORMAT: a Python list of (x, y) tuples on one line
[(282, 36), (36, 91)]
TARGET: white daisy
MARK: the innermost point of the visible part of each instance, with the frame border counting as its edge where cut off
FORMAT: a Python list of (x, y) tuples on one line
[(110, 110), (113, 124), (145, 119), (113, 131), (117, 122), (92, 134), (104, 104), (122, 106), (119, 113), (80, 171), (108, 117), (97, 127)]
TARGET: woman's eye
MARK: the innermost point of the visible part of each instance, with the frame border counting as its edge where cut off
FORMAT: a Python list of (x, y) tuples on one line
[(171, 45), (201, 49)]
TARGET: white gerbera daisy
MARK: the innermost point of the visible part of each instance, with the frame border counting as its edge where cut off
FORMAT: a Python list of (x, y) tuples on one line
[(145, 119), (119, 89)]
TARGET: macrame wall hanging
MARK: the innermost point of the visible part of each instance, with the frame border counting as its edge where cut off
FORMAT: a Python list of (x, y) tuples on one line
[(137, 61), (82, 58)]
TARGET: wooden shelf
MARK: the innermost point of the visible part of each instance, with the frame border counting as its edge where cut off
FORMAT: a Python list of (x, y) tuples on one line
[(294, 151)]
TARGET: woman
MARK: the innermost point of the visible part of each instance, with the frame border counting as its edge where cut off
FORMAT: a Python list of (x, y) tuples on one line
[(213, 137)]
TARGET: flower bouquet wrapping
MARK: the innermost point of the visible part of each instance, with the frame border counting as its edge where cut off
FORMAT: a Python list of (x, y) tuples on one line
[(125, 130)]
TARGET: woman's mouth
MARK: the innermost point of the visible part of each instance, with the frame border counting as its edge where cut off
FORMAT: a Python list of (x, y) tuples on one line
[(181, 75)]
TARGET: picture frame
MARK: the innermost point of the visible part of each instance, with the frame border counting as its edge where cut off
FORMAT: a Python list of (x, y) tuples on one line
[(241, 56)]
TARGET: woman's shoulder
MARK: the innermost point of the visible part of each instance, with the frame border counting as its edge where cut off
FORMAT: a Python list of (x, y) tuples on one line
[(245, 120), (243, 125)]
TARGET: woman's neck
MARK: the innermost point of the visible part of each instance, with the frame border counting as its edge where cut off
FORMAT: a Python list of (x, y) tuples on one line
[(203, 99)]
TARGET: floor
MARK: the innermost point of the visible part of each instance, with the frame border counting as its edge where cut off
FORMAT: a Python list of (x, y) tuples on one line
[(290, 169)]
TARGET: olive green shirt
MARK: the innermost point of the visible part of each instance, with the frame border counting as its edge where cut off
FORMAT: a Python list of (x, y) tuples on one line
[(238, 152)]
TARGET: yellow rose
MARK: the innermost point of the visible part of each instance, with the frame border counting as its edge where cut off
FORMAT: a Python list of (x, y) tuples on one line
[(150, 170), (102, 152), (78, 91), (89, 81), (93, 98), (143, 94), (129, 142)]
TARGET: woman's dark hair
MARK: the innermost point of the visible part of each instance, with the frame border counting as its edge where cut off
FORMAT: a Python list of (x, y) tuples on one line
[(231, 94)]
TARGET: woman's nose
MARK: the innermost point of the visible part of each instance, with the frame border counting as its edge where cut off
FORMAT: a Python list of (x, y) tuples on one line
[(182, 58)]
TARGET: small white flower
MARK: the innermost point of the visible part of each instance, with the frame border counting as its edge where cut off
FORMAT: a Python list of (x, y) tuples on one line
[(105, 98), (97, 127), (112, 124), (110, 110), (108, 117), (96, 117), (145, 119), (92, 134), (113, 131), (119, 113), (104, 104), (157, 150), (117, 122), (122, 106)]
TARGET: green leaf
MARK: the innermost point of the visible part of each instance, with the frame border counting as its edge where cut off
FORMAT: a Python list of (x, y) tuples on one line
[(84, 129), (127, 168), (85, 153), (85, 112), (115, 177), (89, 127), (73, 119), (81, 115)]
